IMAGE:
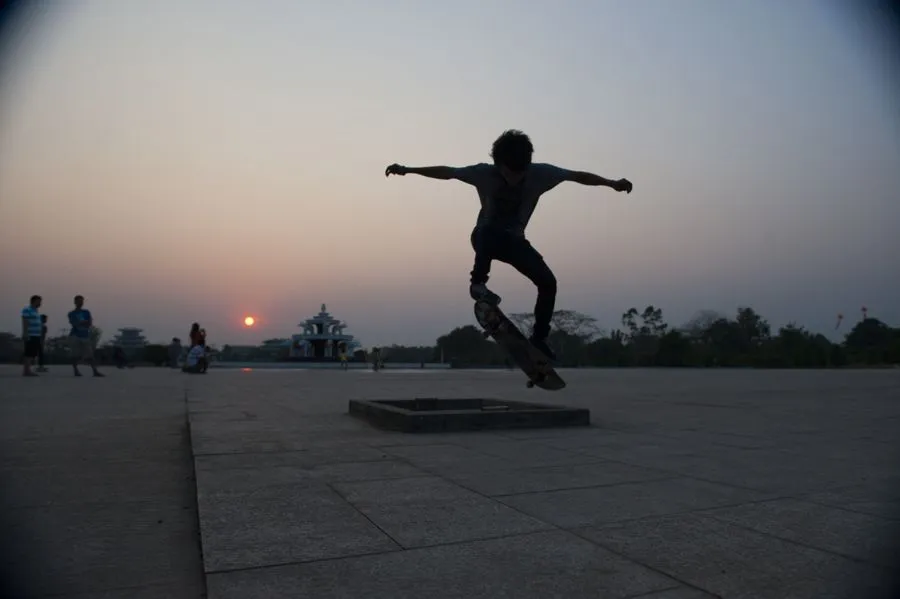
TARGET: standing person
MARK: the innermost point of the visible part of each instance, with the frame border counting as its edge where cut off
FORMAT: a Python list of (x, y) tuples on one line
[(377, 364), (195, 335), (174, 352), (31, 334), (80, 337), (41, 367), (509, 191)]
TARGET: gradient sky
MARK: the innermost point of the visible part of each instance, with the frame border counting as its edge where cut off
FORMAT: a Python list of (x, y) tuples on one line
[(178, 161)]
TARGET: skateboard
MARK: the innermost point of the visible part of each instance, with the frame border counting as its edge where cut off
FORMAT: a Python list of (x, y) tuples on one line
[(533, 363)]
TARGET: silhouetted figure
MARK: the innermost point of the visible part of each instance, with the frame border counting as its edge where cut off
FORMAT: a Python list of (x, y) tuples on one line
[(119, 357), (509, 191), (40, 358), (174, 352)]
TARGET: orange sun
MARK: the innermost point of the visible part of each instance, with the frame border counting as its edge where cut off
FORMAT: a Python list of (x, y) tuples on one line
[(249, 321)]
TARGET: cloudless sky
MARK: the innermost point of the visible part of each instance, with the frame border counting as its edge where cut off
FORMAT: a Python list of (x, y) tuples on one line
[(178, 161)]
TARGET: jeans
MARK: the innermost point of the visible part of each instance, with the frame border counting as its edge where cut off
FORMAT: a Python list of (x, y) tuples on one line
[(492, 244)]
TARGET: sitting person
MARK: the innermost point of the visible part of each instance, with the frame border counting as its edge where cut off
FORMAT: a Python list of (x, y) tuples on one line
[(196, 362)]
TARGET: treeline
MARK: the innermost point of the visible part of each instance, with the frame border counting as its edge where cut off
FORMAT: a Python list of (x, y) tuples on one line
[(644, 339)]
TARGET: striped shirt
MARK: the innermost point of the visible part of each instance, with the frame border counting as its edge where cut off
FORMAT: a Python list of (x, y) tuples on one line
[(33, 318)]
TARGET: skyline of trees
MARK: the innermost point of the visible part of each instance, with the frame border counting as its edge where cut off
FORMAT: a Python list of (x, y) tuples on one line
[(644, 338)]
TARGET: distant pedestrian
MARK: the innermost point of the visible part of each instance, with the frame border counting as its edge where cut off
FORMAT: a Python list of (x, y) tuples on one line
[(31, 334), (174, 352), (41, 367), (80, 337)]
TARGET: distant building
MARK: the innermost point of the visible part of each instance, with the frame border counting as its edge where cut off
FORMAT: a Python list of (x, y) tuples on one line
[(323, 338), (130, 339)]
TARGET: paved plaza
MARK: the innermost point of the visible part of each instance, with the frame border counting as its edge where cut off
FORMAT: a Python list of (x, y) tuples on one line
[(689, 484)]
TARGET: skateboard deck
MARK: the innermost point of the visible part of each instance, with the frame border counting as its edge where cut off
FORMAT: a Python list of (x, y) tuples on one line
[(533, 363)]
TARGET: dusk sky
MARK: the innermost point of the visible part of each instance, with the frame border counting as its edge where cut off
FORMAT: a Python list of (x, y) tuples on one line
[(202, 161)]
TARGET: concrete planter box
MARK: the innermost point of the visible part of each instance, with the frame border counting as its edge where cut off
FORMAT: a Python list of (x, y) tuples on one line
[(432, 415)]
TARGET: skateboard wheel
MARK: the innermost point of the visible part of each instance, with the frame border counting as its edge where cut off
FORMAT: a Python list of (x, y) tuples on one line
[(529, 384)]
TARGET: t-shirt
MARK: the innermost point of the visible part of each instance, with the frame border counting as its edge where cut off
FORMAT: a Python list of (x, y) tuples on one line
[(195, 354), (33, 318), (509, 207), (80, 321)]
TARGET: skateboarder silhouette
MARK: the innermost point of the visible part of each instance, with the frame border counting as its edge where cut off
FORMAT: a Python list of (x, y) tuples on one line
[(509, 190)]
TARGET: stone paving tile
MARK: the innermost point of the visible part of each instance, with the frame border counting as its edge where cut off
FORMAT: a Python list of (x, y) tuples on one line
[(424, 511), (626, 501), (96, 487), (86, 547), (840, 531), (736, 563), (761, 469), (524, 453), (53, 484), (281, 524), (499, 481), (243, 473), (881, 500), (153, 591), (718, 441), (547, 565), (681, 592)]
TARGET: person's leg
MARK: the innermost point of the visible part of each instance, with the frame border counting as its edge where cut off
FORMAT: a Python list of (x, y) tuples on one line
[(484, 242), (77, 351), (40, 357), (29, 353), (83, 348), (89, 357), (521, 255)]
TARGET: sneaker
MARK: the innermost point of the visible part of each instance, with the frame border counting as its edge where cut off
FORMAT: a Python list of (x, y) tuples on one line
[(541, 345), (480, 293)]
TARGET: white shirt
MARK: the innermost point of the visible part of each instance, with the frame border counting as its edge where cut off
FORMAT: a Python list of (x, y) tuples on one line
[(195, 354)]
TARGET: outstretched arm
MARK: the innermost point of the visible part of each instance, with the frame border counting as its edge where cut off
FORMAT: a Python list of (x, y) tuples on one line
[(596, 180), (433, 172)]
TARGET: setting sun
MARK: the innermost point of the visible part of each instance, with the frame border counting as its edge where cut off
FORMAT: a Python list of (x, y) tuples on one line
[(249, 321)]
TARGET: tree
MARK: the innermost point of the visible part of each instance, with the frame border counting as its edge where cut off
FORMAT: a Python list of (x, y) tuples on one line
[(754, 329), (870, 341), (608, 351), (467, 345), (566, 321), (699, 322), (674, 349), (629, 321), (644, 332)]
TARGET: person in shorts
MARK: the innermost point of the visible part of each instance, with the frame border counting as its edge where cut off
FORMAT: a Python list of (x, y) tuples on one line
[(32, 328), (80, 337)]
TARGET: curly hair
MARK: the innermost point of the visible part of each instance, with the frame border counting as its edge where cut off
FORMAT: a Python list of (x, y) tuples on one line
[(513, 149)]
